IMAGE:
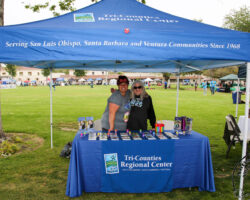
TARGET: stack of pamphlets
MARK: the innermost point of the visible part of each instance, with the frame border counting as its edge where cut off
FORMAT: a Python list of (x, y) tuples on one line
[(149, 136), (92, 136), (161, 136), (103, 136), (125, 136), (171, 135), (113, 136), (136, 136)]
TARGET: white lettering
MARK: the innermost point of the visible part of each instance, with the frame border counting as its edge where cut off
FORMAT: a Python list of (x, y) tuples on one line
[(217, 46), (16, 44)]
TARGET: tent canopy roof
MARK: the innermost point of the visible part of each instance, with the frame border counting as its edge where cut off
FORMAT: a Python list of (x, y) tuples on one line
[(123, 35), (229, 77)]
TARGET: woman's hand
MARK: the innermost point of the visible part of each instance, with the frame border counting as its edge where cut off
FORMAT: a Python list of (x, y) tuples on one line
[(112, 111)]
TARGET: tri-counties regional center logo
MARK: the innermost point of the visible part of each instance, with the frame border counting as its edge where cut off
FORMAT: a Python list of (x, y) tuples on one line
[(111, 163), (84, 17)]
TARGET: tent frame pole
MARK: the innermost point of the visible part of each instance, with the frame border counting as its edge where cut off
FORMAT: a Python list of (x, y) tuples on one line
[(244, 146), (107, 73), (177, 94), (237, 98), (51, 111)]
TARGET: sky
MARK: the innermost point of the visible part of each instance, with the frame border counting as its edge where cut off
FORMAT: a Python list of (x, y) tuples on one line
[(209, 11)]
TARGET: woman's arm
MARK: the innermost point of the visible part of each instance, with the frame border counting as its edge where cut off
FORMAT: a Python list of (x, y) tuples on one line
[(151, 113), (112, 111)]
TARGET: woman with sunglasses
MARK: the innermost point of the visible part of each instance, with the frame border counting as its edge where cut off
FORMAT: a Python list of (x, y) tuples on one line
[(141, 108), (117, 107)]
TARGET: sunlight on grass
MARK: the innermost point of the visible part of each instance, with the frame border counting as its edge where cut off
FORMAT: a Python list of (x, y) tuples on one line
[(42, 174)]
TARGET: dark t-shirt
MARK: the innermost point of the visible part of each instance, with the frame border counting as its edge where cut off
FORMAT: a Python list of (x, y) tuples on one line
[(141, 110)]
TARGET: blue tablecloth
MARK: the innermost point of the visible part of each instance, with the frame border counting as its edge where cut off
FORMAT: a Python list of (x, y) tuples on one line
[(140, 166)]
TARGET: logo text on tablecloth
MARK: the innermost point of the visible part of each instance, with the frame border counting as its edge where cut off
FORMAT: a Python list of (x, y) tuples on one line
[(145, 163)]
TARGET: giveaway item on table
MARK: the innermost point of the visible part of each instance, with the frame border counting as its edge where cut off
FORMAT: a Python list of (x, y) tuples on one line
[(125, 136), (177, 123), (189, 125), (149, 136), (92, 136), (81, 123), (113, 136), (159, 127), (183, 125), (161, 136), (135, 136), (171, 135), (86, 122), (90, 122), (103, 136)]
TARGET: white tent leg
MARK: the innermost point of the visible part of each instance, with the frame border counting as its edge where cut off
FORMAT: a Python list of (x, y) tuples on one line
[(177, 95), (237, 99), (51, 111), (244, 147), (107, 73)]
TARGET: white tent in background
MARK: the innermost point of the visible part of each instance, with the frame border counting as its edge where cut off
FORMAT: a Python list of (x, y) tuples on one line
[(148, 80), (81, 80), (113, 82)]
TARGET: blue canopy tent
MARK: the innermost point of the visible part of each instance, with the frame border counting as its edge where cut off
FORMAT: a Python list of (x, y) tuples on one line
[(123, 35), (60, 79)]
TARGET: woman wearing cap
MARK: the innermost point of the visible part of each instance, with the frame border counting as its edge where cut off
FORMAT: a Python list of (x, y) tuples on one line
[(117, 107), (141, 108)]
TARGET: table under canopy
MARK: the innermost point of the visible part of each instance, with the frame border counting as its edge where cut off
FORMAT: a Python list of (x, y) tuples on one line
[(143, 166)]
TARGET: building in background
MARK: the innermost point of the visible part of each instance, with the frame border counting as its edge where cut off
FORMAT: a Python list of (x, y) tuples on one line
[(98, 77)]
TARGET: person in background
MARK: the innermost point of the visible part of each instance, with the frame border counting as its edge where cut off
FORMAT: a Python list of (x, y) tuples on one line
[(117, 109), (141, 108), (212, 86), (195, 86), (165, 84), (204, 86)]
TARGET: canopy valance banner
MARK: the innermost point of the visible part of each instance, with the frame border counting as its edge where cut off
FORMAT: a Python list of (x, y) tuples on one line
[(122, 36)]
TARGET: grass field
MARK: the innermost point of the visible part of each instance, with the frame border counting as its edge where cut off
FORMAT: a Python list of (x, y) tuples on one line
[(42, 174)]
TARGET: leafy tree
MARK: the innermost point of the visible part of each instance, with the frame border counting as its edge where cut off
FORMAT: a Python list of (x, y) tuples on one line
[(62, 5), (238, 19), (11, 69), (46, 72), (218, 73), (79, 72), (166, 75)]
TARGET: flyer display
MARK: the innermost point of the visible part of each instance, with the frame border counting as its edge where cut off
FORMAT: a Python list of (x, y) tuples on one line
[(162, 137), (136, 136), (171, 135), (149, 136), (92, 136), (125, 136)]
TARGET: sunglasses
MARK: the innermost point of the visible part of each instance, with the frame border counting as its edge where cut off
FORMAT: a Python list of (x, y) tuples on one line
[(139, 87)]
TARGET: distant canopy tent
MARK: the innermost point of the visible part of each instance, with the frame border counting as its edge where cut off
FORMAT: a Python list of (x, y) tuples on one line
[(7, 81), (148, 80), (98, 79), (126, 35), (90, 80), (81, 80), (60, 79), (230, 77)]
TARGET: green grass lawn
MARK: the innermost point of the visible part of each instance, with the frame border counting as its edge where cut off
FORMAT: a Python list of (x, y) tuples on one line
[(42, 174)]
